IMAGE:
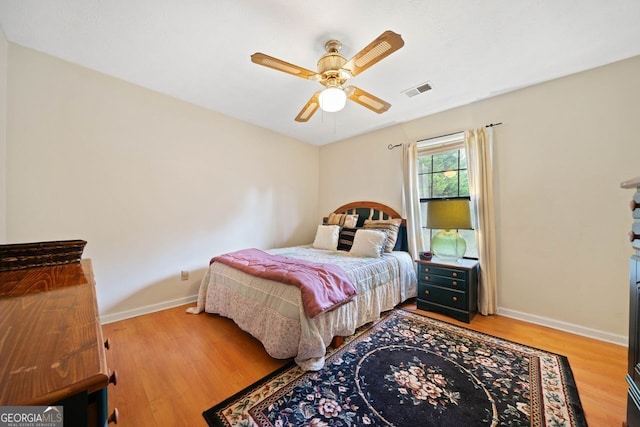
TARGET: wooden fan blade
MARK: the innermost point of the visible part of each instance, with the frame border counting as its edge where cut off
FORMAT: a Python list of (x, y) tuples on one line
[(387, 43), (310, 108), (278, 64), (365, 99)]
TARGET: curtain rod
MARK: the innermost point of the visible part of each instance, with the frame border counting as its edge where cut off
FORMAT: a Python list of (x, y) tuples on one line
[(391, 147)]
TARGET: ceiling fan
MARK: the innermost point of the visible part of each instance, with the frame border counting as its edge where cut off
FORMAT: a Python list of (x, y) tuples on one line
[(333, 72)]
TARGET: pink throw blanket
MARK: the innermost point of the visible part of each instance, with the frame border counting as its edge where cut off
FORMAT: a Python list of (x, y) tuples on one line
[(323, 286)]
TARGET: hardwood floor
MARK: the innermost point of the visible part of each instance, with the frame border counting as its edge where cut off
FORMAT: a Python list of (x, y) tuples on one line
[(173, 365)]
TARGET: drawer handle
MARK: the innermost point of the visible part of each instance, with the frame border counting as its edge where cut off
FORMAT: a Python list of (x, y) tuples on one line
[(426, 292), (634, 205), (455, 298), (454, 274), (113, 378), (426, 269), (107, 344), (633, 236), (114, 417), (427, 278), (454, 283)]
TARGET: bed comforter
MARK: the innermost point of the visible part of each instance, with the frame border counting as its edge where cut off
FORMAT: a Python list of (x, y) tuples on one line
[(323, 287), (273, 312)]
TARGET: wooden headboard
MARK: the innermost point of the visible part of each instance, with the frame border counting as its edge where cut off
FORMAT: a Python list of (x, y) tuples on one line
[(369, 210), (375, 210)]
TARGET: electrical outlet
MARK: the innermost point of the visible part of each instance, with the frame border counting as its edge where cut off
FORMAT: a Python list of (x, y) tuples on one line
[(184, 275)]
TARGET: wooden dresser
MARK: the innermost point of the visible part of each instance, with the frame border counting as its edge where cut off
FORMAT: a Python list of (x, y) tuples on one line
[(51, 347), (633, 374)]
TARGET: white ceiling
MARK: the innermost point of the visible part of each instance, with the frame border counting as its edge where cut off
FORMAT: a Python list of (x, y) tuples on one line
[(199, 50)]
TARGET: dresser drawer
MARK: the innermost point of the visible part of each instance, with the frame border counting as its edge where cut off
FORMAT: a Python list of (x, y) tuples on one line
[(433, 270), (443, 296), (450, 278)]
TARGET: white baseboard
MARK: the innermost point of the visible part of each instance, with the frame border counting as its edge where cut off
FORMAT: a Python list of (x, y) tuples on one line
[(127, 314), (564, 326)]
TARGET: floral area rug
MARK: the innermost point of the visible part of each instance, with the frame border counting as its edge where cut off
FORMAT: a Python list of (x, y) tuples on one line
[(409, 370)]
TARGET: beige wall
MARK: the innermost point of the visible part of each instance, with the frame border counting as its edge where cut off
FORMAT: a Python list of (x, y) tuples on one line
[(562, 219), (4, 45), (155, 185)]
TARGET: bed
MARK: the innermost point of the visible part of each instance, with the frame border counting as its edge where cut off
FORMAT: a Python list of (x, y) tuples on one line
[(381, 271)]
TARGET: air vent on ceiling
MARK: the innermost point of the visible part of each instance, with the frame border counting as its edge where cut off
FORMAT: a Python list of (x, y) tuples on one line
[(417, 90)]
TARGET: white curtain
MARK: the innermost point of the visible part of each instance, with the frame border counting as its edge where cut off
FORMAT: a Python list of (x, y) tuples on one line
[(411, 198), (479, 147)]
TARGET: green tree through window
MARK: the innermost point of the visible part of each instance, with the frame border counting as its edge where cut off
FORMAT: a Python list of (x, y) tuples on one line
[(443, 175)]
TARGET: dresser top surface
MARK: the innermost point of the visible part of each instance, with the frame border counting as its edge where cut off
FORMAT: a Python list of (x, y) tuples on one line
[(50, 338)]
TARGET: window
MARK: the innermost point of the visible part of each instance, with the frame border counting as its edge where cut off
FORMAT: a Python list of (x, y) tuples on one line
[(442, 174)]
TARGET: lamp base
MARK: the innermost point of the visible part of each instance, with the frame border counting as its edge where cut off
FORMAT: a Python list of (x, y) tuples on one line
[(448, 245)]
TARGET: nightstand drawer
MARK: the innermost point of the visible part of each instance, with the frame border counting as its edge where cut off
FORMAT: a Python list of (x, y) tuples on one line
[(432, 270), (448, 282), (448, 277), (443, 296)]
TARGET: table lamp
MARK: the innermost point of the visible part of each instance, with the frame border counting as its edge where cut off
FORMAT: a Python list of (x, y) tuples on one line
[(448, 215)]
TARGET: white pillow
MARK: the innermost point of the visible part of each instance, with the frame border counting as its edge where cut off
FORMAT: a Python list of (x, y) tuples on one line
[(327, 237), (368, 243)]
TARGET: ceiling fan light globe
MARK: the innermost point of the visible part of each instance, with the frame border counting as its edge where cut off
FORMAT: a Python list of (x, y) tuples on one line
[(332, 99)]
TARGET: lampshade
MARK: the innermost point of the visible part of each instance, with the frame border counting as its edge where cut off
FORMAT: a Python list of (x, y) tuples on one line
[(448, 214), (332, 99)]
